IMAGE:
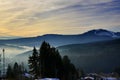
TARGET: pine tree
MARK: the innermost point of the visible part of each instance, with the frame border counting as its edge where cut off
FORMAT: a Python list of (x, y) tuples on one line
[(70, 72), (44, 49), (9, 72), (16, 70), (50, 61), (33, 63), (59, 65)]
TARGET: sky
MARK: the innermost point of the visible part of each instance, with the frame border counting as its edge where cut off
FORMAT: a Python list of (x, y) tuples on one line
[(26, 18)]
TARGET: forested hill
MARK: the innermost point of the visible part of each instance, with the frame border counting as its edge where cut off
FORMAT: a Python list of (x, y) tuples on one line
[(94, 57)]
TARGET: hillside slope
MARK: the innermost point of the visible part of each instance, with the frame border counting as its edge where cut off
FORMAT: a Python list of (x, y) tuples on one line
[(94, 57)]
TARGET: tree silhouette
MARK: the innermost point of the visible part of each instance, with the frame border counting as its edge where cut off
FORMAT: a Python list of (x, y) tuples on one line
[(16, 72), (33, 63), (9, 72), (70, 71), (49, 64), (50, 61)]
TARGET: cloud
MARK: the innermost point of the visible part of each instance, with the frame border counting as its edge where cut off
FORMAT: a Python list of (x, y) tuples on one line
[(37, 17)]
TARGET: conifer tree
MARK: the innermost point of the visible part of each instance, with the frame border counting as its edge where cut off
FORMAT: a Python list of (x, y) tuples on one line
[(49, 64), (16, 70), (70, 71), (9, 72), (44, 59), (50, 61), (33, 63)]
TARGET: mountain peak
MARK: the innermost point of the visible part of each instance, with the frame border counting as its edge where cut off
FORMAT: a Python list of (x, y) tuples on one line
[(103, 32)]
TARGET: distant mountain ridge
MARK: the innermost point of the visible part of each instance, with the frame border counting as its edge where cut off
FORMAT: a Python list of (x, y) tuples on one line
[(59, 40), (103, 32)]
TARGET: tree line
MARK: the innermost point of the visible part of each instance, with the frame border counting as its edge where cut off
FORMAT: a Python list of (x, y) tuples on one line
[(15, 72), (48, 63)]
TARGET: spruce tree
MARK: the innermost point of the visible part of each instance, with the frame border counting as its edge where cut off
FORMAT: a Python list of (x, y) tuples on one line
[(16, 70), (43, 56), (50, 61), (70, 72), (33, 63), (49, 64), (9, 72), (59, 65)]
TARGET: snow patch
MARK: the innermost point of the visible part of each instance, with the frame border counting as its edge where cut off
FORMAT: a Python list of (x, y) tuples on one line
[(105, 33)]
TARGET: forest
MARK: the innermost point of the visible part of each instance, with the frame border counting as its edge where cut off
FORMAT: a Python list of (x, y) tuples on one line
[(44, 63)]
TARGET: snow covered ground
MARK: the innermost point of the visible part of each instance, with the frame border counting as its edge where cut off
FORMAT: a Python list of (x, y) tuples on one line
[(48, 79)]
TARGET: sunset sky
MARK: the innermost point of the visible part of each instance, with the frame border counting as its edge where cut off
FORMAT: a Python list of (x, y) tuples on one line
[(25, 18)]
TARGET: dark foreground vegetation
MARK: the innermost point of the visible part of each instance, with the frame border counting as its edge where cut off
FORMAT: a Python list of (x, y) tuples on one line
[(44, 63), (48, 63)]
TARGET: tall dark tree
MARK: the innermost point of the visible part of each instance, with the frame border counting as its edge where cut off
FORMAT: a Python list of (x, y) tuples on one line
[(59, 65), (16, 70), (33, 63), (44, 51), (70, 71), (50, 61), (9, 72)]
